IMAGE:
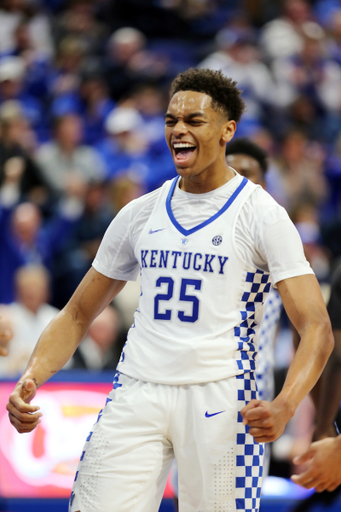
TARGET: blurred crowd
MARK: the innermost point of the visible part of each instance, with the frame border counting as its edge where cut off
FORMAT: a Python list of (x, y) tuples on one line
[(83, 91)]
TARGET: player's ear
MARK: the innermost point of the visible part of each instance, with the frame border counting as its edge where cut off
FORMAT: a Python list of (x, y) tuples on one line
[(228, 131)]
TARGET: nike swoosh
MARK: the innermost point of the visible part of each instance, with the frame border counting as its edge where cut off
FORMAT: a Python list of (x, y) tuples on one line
[(151, 231), (214, 414)]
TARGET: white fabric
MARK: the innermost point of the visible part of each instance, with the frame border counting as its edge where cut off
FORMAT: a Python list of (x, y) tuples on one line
[(116, 258), (27, 327), (126, 459), (205, 338)]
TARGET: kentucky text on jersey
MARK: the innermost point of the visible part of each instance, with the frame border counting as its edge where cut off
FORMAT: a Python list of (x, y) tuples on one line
[(156, 258)]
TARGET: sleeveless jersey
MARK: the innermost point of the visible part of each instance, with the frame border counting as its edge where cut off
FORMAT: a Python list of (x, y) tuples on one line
[(200, 304)]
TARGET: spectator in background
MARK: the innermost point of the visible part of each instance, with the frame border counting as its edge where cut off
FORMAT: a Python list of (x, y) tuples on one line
[(305, 216), (334, 32), (24, 239), (91, 101), (126, 146), (36, 59), (12, 87), (123, 44), (129, 62), (311, 74), (237, 57), (300, 163), (27, 316), (65, 156), (78, 20), (149, 100), (12, 12), (99, 350), (6, 333), (282, 36), (17, 141), (64, 76), (76, 257)]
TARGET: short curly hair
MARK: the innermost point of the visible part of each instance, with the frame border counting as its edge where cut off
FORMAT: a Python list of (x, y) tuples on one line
[(224, 91), (247, 147)]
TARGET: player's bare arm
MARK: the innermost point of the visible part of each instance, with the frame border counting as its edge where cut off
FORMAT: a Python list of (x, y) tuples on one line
[(305, 307), (58, 343)]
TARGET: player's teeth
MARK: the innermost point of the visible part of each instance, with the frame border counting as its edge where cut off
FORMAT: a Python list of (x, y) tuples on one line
[(183, 145)]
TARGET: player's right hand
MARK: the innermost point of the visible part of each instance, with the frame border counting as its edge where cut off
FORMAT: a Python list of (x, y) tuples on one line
[(23, 416)]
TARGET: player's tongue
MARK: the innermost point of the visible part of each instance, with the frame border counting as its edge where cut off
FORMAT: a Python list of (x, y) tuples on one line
[(183, 154)]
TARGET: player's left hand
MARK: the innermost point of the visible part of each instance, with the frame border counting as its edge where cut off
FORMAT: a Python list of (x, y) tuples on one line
[(323, 469), (266, 420)]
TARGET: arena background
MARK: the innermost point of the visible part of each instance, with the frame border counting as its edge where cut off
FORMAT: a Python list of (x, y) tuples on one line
[(83, 89)]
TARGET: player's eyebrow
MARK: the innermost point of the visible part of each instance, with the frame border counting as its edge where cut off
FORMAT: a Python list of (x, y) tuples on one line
[(168, 115)]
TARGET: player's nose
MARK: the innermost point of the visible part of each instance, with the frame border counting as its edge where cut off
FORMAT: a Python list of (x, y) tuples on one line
[(179, 128)]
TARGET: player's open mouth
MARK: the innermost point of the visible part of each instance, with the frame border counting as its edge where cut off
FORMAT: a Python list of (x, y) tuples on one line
[(183, 151)]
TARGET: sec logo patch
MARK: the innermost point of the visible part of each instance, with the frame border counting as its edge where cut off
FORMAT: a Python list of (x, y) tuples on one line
[(216, 240)]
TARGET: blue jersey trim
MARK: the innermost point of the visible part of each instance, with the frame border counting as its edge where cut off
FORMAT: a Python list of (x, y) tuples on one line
[(187, 232)]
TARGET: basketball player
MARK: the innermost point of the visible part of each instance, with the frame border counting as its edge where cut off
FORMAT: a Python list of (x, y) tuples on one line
[(323, 457), (205, 244), (250, 160)]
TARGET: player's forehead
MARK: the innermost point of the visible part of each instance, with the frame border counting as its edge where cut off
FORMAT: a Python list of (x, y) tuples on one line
[(186, 103)]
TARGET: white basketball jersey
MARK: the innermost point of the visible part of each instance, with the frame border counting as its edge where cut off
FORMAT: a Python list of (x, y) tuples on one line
[(200, 304)]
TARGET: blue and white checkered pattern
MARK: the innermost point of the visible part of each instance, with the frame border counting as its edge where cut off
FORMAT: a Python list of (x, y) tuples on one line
[(258, 287), (249, 453), (264, 375)]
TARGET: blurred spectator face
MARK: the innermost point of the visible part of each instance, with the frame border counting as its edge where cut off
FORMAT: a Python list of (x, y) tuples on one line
[(10, 89), (313, 42), (335, 26), (32, 287), (104, 329), (93, 89), (95, 196), (70, 54), (13, 131), (248, 167), (22, 37), (123, 190), (124, 43), (149, 101), (265, 140), (12, 71), (80, 16), (297, 10), (69, 131), (294, 146), (244, 53), (14, 5), (26, 222)]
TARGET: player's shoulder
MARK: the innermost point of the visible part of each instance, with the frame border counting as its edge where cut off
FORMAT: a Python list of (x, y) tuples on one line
[(260, 201)]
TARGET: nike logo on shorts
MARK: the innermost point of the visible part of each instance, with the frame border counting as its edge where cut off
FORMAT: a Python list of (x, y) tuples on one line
[(207, 415), (151, 231)]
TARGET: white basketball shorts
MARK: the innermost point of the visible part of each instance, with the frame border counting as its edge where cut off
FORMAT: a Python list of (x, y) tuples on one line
[(127, 456)]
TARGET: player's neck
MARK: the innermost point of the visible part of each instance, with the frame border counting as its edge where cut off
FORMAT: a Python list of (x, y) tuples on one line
[(206, 181)]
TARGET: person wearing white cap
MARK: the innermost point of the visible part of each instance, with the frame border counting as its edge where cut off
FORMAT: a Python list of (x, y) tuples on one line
[(125, 147)]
